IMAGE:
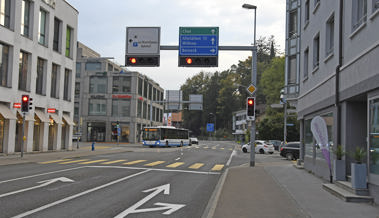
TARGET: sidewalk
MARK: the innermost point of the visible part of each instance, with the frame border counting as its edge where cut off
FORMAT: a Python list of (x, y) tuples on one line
[(277, 190)]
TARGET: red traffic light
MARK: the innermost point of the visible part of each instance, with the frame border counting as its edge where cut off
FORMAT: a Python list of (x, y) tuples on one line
[(133, 60), (250, 102), (189, 60), (25, 98)]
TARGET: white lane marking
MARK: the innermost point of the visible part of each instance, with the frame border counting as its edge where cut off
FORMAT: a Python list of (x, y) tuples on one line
[(155, 169), (177, 158), (165, 206), (27, 213), (41, 174), (230, 158), (44, 183)]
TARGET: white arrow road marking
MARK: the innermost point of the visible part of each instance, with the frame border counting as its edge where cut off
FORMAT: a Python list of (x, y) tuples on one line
[(44, 183), (27, 213), (155, 191)]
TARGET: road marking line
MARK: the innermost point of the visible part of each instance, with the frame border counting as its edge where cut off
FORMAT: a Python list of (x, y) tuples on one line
[(230, 149), (196, 166), (112, 162), (177, 159), (27, 213), (134, 162), (217, 167), (230, 158), (206, 147), (174, 165), (73, 161), (154, 163), (222, 148), (156, 169), (54, 161), (94, 161)]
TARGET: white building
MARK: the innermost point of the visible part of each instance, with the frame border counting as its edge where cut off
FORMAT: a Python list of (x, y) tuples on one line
[(332, 54), (37, 57)]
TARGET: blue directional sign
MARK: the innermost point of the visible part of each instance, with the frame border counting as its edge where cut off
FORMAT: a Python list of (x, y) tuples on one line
[(210, 127), (198, 41)]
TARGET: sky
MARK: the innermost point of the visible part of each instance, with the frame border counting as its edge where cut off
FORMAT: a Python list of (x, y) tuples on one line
[(102, 27)]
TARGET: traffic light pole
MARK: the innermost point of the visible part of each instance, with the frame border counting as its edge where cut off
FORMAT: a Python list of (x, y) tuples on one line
[(22, 134)]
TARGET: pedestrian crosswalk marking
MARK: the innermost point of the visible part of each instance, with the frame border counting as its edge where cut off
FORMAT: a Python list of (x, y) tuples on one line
[(73, 161), (93, 161), (206, 147), (217, 167), (174, 165), (222, 148), (112, 162), (196, 166), (134, 162), (54, 161), (154, 163)]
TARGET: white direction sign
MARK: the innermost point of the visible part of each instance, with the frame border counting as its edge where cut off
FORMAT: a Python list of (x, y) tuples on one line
[(143, 40), (166, 207)]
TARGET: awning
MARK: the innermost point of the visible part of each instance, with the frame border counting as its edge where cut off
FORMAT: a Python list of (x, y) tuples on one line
[(7, 113), (28, 116), (56, 118), (68, 120), (42, 116)]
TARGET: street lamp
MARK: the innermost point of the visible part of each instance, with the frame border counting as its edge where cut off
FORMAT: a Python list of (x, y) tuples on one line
[(254, 82)]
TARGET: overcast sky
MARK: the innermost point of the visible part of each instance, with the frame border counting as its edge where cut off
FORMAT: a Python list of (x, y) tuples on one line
[(102, 27)]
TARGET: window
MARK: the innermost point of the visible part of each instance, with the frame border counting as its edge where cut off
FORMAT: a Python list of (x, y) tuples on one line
[(97, 107), (76, 109), (121, 107), (139, 109), (374, 136), (57, 35), (306, 13), (375, 5), (110, 67), (25, 18), (5, 13), (78, 69), (121, 84), (329, 36), (292, 70), (93, 66), (359, 14), (77, 89), (54, 93), (140, 86), (98, 84), (4, 64), (308, 138), (68, 42), (41, 69), (67, 85), (306, 60), (293, 24), (42, 30), (145, 89), (23, 71), (316, 51)]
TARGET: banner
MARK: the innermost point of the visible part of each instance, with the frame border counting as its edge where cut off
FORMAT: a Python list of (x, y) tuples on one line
[(320, 133)]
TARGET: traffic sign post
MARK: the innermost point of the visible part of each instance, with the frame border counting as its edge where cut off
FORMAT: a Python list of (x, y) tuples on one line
[(198, 46)]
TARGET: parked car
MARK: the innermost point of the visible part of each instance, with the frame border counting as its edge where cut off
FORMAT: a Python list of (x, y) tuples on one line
[(261, 147), (194, 141), (291, 150), (276, 144)]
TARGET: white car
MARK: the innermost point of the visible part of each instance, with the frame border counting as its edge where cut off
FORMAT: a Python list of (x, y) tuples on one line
[(194, 141), (261, 147)]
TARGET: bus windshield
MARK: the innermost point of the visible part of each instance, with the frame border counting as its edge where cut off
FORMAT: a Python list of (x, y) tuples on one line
[(151, 134)]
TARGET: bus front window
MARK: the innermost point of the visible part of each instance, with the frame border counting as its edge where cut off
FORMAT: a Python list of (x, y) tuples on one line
[(151, 135)]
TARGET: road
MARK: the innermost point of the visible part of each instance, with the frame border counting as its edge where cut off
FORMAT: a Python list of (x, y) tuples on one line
[(164, 182)]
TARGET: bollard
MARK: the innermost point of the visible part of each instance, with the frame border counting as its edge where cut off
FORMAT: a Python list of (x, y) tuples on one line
[(93, 146)]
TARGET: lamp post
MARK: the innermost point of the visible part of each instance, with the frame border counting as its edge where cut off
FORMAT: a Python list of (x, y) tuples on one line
[(254, 82)]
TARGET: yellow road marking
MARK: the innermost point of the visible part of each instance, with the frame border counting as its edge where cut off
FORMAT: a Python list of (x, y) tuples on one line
[(54, 161), (154, 163), (73, 161), (102, 147), (230, 149), (196, 166), (174, 165), (222, 148), (134, 162), (217, 167), (93, 161), (112, 162), (206, 147)]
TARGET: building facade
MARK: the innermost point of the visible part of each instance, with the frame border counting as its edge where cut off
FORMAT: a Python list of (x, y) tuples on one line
[(339, 79), (37, 58), (107, 96), (240, 125)]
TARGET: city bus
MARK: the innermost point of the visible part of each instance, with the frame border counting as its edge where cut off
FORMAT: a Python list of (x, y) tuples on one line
[(165, 136)]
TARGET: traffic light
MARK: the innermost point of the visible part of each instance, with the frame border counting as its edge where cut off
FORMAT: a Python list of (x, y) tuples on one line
[(142, 61), (250, 107), (198, 61), (25, 103)]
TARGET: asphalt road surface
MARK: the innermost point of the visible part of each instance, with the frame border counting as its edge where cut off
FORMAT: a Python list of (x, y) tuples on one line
[(159, 182)]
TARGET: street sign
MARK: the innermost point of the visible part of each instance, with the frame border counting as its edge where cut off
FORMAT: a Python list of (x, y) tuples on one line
[(210, 127), (198, 41), (251, 89), (196, 102), (51, 110)]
